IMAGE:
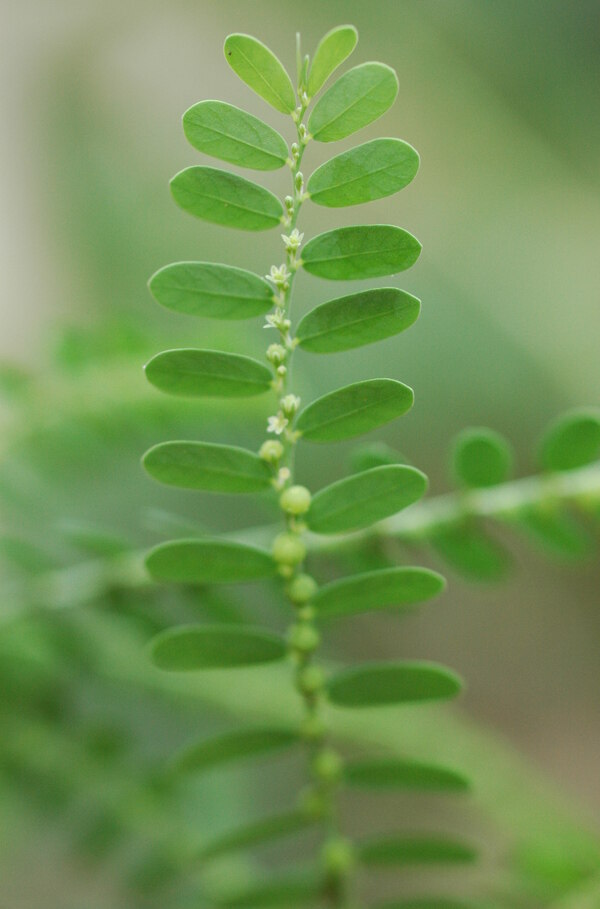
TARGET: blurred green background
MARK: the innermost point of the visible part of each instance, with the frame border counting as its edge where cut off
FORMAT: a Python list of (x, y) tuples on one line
[(501, 101)]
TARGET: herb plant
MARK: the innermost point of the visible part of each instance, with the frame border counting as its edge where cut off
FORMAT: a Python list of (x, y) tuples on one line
[(370, 171)]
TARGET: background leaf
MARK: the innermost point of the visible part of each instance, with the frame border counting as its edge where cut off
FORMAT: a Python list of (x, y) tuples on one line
[(573, 440), (357, 319), (260, 69), (222, 198), (208, 373), (211, 290), (358, 97), (231, 134), (191, 647), (352, 253), (332, 50), (398, 773), (481, 457), (291, 888), (204, 465), (471, 551), (371, 171), (377, 684), (354, 409), (379, 589), (361, 500), (405, 850), (258, 832), (208, 562)]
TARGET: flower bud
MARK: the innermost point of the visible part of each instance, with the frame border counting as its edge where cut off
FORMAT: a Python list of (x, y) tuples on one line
[(288, 549), (310, 679), (304, 638), (337, 856), (295, 500), (327, 766), (276, 354), (271, 451)]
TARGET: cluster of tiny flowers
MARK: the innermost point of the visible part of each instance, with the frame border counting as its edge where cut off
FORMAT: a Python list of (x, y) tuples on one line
[(294, 241), (288, 407), (280, 277)]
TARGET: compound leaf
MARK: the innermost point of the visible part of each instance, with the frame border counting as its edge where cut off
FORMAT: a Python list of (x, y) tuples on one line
[(191, 647), (211, 290), (357, 319), (408, 850), (230, 134), (378, 684), (189, 372), (257, 833), (572, 441), (233, 746), (333, 48), (481, 457), (222, 198), (208, 561), (379, 589), (399, 773), (204, 465), (367, 251), (371, 171), (260, 69), (354, 409), (365, 498), (358, 97)]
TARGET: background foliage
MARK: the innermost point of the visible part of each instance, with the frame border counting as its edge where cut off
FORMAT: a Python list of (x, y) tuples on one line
[(499, 102)]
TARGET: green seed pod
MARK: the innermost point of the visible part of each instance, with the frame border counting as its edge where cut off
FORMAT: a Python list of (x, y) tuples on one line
[(304, 638), (271, 451), (311, 679), (327, 766), (337, 856), (295, 500), (302, 589), (288, 549)]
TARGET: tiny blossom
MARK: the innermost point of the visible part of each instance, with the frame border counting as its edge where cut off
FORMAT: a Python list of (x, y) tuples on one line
[(276, 424), (290, 404), (283, 474), (279, 276), (276, 353), (276, 320), (292, 243)]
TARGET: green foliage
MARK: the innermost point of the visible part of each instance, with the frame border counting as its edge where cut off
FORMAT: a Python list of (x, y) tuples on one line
[(377, 684), (208, 373), (258, 832), (351, 253), (260, 69), (202, 465), (354, 410), (572, 441), (358, 319), (333, 48), (214, 647), (400, 850), (371, 171), (240, 744), (222, 198), (380, 589), (481, 458), (365, 498), (208, 562), (230, 134), (210, 290), (358, 98), (395, 773)]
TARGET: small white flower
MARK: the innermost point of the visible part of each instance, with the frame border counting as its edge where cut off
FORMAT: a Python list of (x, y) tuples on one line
[(279, 276), (277, 424), (293, 242), (290, 404)]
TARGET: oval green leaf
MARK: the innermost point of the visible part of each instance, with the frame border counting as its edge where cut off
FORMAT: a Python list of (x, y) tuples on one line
[(358, 98), (375, 454), (352, 253), (471, 552), (378, 684), (481, 457), (207, 466), (260, 69), (398, 773), (230, 134), (361, 500), (191, 647), (211, 290), (257, 833), (357, 319), (572, 441), (371, 171), (354, 409), (208, 373), (333, 48), (409, 850), (223, 198), (207, 561), (287, 889), (381, 589), (427, 902), (556, 530), (233, 746)]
